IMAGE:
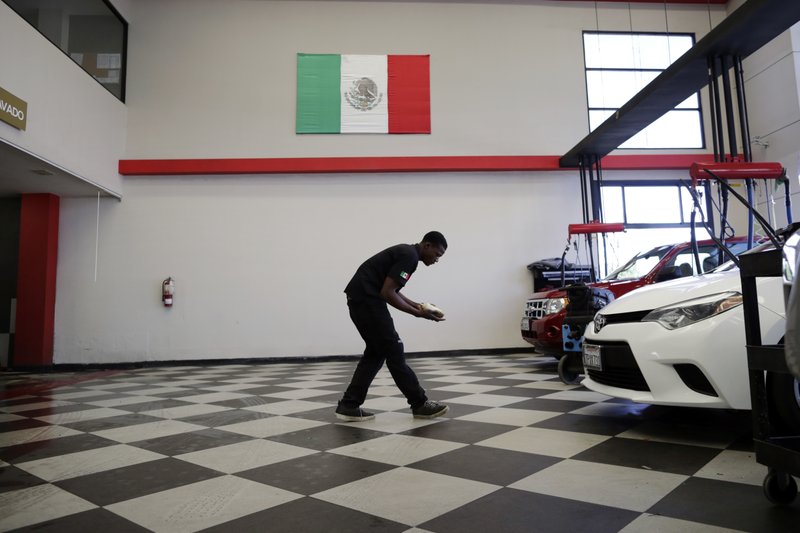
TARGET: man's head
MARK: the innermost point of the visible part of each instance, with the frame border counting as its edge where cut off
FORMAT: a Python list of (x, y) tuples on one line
[(432, 247)]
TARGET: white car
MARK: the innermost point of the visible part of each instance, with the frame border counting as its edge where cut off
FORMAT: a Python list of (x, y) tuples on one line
[(682, 343)]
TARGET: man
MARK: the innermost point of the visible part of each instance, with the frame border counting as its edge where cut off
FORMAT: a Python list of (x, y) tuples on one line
[(377, 282)]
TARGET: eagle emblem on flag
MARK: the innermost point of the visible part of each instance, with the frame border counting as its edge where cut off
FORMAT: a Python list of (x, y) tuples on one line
[(363, 94)]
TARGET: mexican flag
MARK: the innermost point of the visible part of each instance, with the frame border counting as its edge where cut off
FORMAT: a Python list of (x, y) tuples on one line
[(363, 93)]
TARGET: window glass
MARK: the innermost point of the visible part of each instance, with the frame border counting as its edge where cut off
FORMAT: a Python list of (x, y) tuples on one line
[(619, 65), (652, 205), (90, 32)]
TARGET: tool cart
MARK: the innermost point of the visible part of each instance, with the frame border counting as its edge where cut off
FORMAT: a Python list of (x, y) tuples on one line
[(773, 448)]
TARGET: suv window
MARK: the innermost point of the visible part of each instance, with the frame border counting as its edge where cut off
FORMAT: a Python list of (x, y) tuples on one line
[(640, 265)]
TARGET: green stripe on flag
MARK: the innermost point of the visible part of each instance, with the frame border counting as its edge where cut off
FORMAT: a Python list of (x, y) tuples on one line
[(318, 88)]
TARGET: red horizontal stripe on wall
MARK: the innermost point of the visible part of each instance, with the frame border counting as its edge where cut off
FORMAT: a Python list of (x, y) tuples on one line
[(330, 165)]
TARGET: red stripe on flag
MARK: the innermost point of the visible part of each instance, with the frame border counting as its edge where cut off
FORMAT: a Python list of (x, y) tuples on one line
[(409, 94)]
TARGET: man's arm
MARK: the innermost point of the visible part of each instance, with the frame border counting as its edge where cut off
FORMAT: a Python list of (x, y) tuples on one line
[(391, 293)]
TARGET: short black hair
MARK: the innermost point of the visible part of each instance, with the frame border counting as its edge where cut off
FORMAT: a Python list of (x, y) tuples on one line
[(434, 237)]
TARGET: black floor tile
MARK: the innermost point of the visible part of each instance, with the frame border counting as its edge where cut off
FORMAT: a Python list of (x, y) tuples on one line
[(12, 478), (111, 422), (309, 515), (30, 451), (98, 520), (327, 437), (190, 442), (515, 511), (488, 465), (459, 430), (314, 473), (733, 505), (650, 455), (544, 404), (120, 484), (586, 424), (153, 405), (225, 418)]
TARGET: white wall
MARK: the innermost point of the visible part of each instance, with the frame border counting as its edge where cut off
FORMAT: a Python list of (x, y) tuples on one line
[(214, 79), (72, 120), (260, 261), (772, 83)]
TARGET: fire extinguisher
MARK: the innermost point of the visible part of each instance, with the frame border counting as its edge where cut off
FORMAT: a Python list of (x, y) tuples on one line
[(167, 291)]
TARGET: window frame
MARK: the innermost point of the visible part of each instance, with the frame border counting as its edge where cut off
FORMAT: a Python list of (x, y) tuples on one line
[(124, 52), (677, 183), (589, 109)]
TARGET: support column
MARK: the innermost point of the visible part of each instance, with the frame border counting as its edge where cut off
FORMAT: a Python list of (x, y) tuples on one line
[(36, 280)]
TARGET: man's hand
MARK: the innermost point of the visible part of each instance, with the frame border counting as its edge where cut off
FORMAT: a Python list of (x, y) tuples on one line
[(431, 312)]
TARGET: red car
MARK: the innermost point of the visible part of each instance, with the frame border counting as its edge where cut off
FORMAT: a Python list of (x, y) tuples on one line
[(544, 311)]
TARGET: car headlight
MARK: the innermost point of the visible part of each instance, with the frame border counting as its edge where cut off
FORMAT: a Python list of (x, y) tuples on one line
[(687, 313), (554, 305)]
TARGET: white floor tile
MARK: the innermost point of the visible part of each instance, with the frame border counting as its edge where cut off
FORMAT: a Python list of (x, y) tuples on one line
[(20, 408), (155, 391), (124, 400), (23, 436), (314, 384), (87, 462), (79, 395), (26, 507), (212, 397), (81, 416), (234, 387), (544, 441), (9, 417), (301, 394), (388, 403), (244, 455), (425, 495), (648, 523), (736, 466), (184, 411), (509, 416), (394, 422), (576, 396), (397, 449), (201, 505), (149, 430), (547, 385), (615, 486), (274, 425), (468, 388), (487, 400), (289, 407)]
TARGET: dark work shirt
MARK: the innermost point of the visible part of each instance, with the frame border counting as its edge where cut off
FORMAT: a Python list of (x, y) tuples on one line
[(397, 262)]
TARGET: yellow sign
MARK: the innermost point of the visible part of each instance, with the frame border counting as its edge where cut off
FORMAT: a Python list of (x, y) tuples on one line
[(13, 110)]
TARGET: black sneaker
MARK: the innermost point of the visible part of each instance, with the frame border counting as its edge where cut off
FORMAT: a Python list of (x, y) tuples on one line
[(353, 414), (430, 409)]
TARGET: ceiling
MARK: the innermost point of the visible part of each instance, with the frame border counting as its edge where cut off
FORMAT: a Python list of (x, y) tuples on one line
[(22, 172)]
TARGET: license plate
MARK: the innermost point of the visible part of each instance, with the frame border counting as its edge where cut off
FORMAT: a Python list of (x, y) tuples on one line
[(591, 357), (525, 325)]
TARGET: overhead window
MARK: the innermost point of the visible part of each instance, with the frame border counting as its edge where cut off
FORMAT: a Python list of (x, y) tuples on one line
[(619, 65), (91, 32)]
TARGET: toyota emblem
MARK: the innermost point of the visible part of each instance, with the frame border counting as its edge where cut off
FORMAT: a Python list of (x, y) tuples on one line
[(599, 322)]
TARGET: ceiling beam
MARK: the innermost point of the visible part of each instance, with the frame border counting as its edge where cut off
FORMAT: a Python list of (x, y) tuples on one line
[(743, 32)]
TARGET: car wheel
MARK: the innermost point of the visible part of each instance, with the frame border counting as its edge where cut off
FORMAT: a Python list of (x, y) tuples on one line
[(783, 392), (779, 488), (569, 371)]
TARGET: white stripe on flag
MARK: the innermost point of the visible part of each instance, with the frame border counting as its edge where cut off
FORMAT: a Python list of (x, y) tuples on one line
[(365, 94)]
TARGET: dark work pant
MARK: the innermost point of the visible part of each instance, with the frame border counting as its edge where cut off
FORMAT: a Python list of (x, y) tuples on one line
[(375, 325)]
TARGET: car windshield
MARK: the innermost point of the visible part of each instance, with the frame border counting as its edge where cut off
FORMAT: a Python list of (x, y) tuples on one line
[(640, 265)]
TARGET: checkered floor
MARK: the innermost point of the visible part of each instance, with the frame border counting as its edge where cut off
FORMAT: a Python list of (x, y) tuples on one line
[(258, 448)]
